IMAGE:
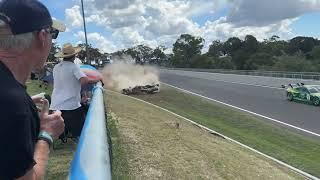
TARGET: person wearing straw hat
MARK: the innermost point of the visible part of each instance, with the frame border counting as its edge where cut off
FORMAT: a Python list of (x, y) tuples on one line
[(67, 82), (26, 33)]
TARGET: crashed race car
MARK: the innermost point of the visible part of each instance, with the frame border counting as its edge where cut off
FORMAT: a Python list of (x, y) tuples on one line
[(147, 89), (304, 93)]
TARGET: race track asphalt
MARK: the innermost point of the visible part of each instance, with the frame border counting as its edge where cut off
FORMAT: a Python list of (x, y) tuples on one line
[(261, 95)]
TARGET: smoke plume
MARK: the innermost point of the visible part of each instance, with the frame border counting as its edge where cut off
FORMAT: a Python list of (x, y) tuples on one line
[(124, 74)]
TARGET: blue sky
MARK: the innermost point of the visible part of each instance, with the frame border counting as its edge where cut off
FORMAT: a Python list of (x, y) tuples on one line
[(114, 25), (308, 25)]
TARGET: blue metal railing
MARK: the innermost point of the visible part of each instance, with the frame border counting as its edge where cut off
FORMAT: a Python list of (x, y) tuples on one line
[(92, 160)]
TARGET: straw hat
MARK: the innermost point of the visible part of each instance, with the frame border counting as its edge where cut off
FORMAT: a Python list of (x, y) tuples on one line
[(58, 25), (68, 51)]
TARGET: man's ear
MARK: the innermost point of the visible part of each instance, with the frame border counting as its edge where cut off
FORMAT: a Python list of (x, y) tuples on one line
[(41, 36)]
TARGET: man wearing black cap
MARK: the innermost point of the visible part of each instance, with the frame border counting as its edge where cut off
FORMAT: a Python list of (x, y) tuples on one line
[(26, 33)]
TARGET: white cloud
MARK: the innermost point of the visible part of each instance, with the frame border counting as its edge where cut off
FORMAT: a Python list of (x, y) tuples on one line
[(99, 41), (264, 12), (99, 20), (169, 18), (161, 22), (222, 30), (114, 14), (128, 36), (199, 7), (112, 4), (73, 16)]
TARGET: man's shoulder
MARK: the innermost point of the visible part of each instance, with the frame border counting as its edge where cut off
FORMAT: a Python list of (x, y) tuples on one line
[(66, 66), (74, 68), (73, 65)]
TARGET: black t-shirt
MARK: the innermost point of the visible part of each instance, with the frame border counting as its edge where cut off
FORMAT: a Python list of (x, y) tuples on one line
[(19, 127)]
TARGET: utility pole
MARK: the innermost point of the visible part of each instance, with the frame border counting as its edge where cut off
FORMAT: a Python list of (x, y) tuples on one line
[(85, 34)]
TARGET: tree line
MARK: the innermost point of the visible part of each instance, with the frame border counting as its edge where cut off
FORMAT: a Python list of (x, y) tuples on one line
[(297, 54)]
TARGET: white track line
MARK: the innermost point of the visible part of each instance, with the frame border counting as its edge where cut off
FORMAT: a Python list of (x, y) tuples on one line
[(235, 107), (226, 137)]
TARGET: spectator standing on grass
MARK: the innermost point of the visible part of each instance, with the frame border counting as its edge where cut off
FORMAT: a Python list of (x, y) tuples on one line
[(26, 33), (67, 81)]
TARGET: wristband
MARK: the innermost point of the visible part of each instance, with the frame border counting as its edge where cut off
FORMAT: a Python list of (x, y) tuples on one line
[(43, 135)]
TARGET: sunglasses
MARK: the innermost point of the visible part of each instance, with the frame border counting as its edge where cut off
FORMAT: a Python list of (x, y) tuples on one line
[(54, 33)]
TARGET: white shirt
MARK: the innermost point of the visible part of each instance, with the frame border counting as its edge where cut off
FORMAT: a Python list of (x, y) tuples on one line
[(66, 86)]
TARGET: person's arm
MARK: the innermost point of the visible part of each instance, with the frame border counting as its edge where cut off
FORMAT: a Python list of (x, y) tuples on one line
[(41, 156), (52, 124), (86, 80)]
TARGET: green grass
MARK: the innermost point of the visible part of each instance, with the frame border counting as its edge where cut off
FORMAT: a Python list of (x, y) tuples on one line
[(297, 149), (60, 160), (33, 87), (148, 144), (120, 153), (62, 154)]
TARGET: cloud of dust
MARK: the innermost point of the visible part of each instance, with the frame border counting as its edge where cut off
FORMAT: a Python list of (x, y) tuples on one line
[(123, 74)]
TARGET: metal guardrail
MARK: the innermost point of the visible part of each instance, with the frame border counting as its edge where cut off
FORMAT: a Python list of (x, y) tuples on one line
[(92, 160), (278, 74)]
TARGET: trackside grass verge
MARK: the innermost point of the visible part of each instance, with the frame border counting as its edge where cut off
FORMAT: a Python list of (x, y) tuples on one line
[(149, 143), (119, 150), (62, 154), (294, 148)]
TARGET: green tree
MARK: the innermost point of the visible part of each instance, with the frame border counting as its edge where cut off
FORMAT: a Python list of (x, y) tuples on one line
[(216, 49), (232, 45), (158, 56), (185, 48), (235, 48), (273, 46), (294, 63), (54, 49), (274, 38), (259, 60), (301, 44), (239, 58), (202, 61), (141, 54), (250, 44), (315, 53), (94, 53), (224, 63)]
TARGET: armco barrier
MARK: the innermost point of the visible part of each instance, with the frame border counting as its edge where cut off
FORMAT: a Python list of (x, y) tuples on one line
[(92, 160)]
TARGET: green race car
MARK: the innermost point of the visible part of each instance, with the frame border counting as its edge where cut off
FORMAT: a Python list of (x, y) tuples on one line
[(305, 93)]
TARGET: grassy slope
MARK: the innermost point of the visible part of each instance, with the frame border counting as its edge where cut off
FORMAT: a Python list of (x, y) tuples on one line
[(61, 156), (33, 88), (120, 152), (287, 145), (148, 145)]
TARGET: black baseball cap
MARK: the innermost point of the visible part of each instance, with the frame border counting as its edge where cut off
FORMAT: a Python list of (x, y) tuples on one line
[(23, 16)]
